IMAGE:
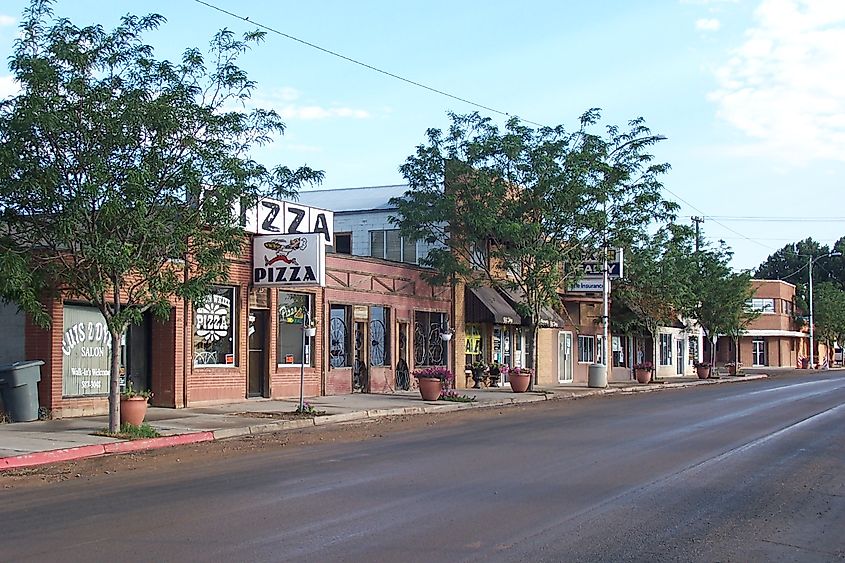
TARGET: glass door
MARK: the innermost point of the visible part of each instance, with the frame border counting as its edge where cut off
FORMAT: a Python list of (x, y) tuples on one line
[(564, 359), (679, 356), (759, 352)]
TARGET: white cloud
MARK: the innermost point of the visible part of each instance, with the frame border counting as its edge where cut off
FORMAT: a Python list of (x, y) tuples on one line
[(708, 24), (8, 86), (783, 86), (283, 101), (6, 21), (319, 112)]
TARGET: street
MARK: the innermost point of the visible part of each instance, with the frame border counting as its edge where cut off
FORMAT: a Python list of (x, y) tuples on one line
[(750, 471)]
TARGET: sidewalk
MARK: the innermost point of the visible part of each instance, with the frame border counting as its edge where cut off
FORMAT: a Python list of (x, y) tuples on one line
[(26, 444)]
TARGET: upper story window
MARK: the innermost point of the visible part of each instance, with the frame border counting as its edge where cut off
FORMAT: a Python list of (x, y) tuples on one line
[(761, 305), (388, 244), (342, 244)]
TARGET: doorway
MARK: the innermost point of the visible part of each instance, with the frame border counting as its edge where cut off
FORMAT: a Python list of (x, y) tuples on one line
[(135, 355), (360, 372), (257, 361), (403, 372), (564, 357), (759, 352), (680, 356)]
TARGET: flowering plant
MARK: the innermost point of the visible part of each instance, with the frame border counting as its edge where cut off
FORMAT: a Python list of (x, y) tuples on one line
[(441, 373), (702, 364), (644, 366), (499, 369), (478, 366), (733, 365), (521, 371), (130, 392)]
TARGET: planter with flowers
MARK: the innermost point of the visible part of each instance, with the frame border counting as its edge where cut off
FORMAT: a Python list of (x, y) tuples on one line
[(433, 381), (133, 405), (733, 367), (478, 370), (496, 372), (702, 369), (643, 371), (520, 379)]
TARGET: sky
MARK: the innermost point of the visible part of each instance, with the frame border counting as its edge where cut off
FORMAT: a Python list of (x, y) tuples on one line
[(750, 94)]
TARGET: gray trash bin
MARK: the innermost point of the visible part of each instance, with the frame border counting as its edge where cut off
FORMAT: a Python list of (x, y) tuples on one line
[(597, 375), (19, 387)]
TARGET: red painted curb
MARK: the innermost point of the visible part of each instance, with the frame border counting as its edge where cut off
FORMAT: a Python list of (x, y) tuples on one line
[(68, 454), (163, 442), (51, 456)]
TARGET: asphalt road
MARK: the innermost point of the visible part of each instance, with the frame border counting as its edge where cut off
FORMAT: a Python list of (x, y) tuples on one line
[(741, 472)]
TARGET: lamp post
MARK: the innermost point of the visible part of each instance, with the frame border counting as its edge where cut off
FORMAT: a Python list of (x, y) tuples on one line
[(309, 332), (810, 262)]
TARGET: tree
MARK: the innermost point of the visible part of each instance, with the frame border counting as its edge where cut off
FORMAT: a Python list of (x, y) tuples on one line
[(121, 172), (521, 208), (790, 264), (656, 289), (829, 313), (720, 296)]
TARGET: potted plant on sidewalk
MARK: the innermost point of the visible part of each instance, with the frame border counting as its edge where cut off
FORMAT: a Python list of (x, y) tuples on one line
[(520, 379), (702, 369), (133, 405), (433, 381), (642, 372), (478, 369), (733, 367)]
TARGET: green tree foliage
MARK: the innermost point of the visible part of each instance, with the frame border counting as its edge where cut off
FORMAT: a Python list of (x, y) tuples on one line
[(520, 208), (829, 312), (116, 166), (656, 289), (720, 295)]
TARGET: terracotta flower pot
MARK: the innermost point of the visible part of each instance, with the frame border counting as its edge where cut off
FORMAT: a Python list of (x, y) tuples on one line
[(642, 375), (703, 372), (519, 383), (731, 370), (430, 388), (133, 410)]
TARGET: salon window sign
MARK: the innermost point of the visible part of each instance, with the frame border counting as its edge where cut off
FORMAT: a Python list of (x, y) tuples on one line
[(86, 352)]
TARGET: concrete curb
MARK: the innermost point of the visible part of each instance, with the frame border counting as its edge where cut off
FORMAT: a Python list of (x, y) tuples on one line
[(70, 454), (93, 450)]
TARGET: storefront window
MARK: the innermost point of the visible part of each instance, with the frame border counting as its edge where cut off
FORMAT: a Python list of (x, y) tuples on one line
[(340, 349), (86, 352), (379, 336), (429, 349), (293, 310), (215, 329), (473, 350)]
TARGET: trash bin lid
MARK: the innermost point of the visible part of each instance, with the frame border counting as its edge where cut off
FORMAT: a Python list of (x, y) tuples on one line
[(21, 365)]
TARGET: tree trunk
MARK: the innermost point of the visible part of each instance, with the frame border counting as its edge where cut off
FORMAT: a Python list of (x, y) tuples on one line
[(114, 383), (534, 353)]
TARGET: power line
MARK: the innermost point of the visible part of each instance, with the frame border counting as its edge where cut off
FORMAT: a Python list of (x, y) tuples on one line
[(734, 231), (373, 68), (363, 64), (777, 219)]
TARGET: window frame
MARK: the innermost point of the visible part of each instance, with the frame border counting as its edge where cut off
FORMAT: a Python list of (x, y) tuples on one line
[(309, 344), (666, 342), (234, 325), (403, 244), (585, 355)]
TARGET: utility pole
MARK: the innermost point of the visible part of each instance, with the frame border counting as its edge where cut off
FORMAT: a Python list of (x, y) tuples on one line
[(698, 221)]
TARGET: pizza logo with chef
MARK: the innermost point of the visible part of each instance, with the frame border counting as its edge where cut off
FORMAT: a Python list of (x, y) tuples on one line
[(283, 247)]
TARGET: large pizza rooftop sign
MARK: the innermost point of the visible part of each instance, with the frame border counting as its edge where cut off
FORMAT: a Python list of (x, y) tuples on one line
[(274, 217), (290, 243)]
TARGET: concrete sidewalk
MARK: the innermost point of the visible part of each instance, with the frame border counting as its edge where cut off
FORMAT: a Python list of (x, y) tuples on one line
[(27, 444)]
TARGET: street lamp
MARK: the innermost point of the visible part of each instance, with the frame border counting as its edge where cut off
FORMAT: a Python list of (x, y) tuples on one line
[(308, 331), (810, 262)]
